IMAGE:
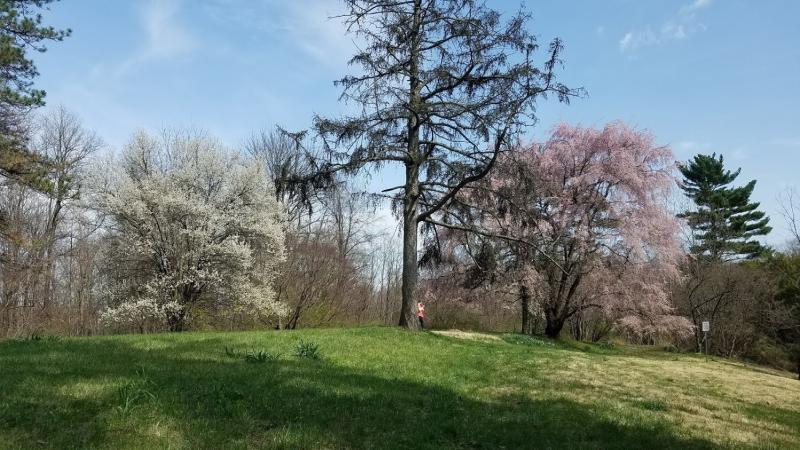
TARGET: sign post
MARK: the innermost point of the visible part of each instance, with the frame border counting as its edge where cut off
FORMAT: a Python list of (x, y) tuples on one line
[(706, 329)]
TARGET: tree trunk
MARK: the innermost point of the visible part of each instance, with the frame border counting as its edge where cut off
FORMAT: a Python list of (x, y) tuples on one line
[(410, 200), (578, 332), (553, 325), (291, 324), (524, 297), (798, 364), (409, 307), (177, 320), (698, 338)]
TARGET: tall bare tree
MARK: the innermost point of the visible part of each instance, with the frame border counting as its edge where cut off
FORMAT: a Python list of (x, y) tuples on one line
[(284, 157), (444, 87), (66, 144), (789, 201), (788, 268), (36, 226)]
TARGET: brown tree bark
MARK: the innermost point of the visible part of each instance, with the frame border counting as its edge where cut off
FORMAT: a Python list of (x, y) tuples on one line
[(410, 200), (410, 270), (553, 327), (525, 297)]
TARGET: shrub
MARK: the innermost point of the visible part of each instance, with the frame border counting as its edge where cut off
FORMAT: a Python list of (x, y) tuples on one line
[(308, 350)]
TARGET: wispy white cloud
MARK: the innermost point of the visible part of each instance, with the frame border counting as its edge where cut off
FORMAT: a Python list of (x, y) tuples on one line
[(695, 6), (165, 36), (311, 26), (319, 34), (636, 39), (681, 26)]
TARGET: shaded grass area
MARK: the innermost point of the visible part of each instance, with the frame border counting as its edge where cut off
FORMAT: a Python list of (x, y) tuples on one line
[(382, 388)]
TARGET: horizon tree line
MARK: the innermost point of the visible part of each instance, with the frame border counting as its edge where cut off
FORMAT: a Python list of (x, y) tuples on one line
[(573, 232)]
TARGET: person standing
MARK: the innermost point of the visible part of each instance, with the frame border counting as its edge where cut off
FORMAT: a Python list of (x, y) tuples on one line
[(421, 314)]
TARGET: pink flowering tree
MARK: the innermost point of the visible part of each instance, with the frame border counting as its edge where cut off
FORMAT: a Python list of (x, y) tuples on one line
[(584, 226)]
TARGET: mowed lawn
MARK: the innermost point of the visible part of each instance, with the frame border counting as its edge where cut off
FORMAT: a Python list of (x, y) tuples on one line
[(379, 388)]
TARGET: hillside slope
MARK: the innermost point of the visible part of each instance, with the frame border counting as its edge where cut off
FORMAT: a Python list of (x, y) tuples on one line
[(382, 388)]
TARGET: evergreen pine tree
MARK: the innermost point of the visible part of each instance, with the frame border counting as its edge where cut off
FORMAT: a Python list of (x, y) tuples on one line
[(21, 30), (725, 223)]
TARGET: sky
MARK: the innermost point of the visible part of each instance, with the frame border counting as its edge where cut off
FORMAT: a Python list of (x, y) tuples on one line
[(702, 75)]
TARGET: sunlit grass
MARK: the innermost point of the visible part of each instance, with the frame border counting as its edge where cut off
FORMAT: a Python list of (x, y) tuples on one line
[(383, 388)]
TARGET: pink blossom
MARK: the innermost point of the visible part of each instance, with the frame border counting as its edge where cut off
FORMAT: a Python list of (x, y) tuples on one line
[(593, 203)]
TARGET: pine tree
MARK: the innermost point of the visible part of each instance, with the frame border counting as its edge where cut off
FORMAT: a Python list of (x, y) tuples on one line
[(725, 223), (21, 30), (446, 86)]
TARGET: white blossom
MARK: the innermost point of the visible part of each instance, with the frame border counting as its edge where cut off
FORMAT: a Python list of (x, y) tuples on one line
[(190, 223)]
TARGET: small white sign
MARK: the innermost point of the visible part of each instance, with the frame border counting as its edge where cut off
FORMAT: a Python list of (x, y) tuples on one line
[(706, 325)]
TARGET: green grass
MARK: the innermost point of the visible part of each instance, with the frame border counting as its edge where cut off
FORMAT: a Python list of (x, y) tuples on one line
[(376, 388)]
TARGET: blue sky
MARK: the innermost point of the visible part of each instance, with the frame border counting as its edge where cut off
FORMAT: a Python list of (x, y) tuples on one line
[(702, 75)]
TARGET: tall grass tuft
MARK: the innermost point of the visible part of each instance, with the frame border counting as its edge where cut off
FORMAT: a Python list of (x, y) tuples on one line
[(308, 350)]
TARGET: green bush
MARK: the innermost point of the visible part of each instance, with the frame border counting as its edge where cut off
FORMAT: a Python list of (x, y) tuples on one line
[(308, 350)]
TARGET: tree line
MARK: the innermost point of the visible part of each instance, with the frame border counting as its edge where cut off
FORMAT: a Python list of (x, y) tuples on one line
[(574, 235)]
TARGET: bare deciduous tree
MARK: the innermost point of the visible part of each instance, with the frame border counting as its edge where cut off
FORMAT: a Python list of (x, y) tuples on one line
[(37, 236), (789, 202), (284, 158)]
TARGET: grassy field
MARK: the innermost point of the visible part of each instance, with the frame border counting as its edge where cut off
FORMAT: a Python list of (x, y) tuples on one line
[(378, 388)]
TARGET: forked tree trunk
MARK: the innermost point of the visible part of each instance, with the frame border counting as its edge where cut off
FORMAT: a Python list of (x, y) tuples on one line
[(554, 324), (291, 324)]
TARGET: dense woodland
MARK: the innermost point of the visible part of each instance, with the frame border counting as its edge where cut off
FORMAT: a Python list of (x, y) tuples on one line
[(577, 235)]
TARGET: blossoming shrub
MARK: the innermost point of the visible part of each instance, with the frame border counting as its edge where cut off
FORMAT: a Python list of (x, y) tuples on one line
[(189, 224)]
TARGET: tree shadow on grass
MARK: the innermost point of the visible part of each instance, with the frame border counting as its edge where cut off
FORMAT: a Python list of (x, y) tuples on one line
[(48, 401)]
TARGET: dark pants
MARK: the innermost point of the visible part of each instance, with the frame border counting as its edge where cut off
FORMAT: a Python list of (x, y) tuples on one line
[(421, 322)]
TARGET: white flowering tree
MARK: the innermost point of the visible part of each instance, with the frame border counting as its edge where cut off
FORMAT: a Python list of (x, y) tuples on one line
[(190, 224)]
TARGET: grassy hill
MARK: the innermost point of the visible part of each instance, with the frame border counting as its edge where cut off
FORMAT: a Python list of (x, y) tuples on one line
[(382, 388)]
